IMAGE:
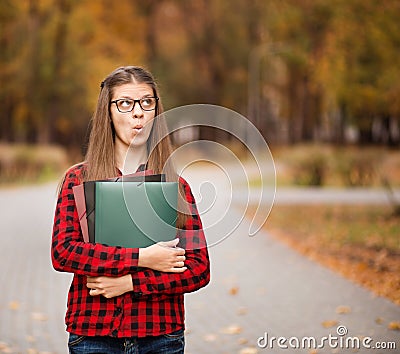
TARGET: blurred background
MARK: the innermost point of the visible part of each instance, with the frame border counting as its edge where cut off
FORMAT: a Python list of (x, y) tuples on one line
[(302, 71), (319, 79)]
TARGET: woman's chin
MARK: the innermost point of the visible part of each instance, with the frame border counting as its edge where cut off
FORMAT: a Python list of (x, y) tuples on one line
[(138, 141)]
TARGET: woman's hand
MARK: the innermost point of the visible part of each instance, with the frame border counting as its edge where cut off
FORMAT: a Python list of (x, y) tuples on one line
[(164, 257), (109, 286)]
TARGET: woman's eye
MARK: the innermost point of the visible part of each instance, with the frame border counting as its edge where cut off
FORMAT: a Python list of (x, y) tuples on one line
[(146, 102), (125, 103)]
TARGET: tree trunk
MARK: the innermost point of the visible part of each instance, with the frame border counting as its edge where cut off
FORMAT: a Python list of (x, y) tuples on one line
[(295, 105), (53, 109)]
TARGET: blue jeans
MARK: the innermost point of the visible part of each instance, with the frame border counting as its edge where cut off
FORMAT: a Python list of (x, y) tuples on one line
[(173, 343)]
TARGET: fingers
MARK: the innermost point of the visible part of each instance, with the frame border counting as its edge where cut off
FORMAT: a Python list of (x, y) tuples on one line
[(172, 243), (95, 285), (177, 270), (181, 258), (95, 292)]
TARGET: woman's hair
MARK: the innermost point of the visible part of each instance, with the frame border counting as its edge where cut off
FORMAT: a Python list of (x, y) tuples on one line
[(100, 157)]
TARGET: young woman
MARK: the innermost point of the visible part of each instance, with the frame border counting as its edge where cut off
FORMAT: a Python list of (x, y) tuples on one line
[(127, 300)]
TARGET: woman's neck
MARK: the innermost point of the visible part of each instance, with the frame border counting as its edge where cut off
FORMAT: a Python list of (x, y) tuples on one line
[(129, 159)]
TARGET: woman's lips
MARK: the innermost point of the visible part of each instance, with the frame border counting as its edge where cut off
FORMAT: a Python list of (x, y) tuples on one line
[(138, 127)]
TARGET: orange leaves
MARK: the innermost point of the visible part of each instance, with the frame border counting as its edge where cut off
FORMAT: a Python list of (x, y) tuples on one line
[(234, 290), (343, 309), (394, 326), (329, 323), (14, 305), (232, 329)]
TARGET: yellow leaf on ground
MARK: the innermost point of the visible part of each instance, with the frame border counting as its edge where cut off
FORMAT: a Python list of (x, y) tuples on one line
[(379, 320), (329, 324), (394, 326), (30, 339), (210, 338), (242, 311), (3, 346), (234, 290), (243, 341), (343, 309), (13, 305), (38, 316), (233, 329), (249, 350)]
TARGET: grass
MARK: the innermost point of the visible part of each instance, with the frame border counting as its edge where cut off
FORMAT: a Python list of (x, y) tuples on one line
[(25, 164), (360, 242), (326, 165)]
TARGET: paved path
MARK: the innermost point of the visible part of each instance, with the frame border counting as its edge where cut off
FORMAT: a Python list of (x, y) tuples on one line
[(289, 195), (258, 285)]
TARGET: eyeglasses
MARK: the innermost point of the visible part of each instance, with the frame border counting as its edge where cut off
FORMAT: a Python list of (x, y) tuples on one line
[(126, 105)]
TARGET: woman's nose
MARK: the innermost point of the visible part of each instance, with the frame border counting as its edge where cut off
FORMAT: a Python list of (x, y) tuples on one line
[(137, 110)]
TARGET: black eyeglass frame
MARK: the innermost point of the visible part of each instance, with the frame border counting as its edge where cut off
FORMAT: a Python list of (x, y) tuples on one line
[(134, 104)]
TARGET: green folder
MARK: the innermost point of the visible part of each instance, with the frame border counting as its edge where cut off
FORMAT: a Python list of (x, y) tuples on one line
[(135, 214)]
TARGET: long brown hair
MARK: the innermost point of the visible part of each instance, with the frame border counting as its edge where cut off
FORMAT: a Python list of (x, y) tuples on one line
[(100, 156)]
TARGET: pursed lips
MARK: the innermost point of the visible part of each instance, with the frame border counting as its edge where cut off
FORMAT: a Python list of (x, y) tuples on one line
[(138, 127)]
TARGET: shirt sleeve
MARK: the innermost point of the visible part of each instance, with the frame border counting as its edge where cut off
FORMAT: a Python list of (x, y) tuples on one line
[(68, 251), (192, 239)]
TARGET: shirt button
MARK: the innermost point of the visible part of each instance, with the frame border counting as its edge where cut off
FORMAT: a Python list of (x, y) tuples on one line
[(118, 310)]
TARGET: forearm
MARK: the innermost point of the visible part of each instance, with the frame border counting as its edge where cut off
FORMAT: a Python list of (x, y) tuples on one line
[(197, 275), (70, 254), (93, 259)]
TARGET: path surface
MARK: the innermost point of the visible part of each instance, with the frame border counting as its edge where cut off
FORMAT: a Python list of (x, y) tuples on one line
[(258, 285)]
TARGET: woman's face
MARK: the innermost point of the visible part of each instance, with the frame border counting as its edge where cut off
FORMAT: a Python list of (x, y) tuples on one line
[(132, 129)]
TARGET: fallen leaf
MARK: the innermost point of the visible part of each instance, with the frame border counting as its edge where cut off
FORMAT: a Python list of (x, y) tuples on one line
[(232, 330), (30, 339), (7, 350), (13, 305), (394, 326), (234, 290), (38, 316), (243, 341), (261, 291), (242, 311), (249, 350), (343, 309), (329, 324), (379, 320), (313, 351), (210, 338), (3, 345)]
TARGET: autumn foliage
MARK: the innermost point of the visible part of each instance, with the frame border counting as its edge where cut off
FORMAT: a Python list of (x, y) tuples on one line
[(300, 70)]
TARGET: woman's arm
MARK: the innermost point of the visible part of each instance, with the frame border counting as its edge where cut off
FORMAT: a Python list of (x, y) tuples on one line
[(197, 275), (150, 256), (150, 281), (70, 254)]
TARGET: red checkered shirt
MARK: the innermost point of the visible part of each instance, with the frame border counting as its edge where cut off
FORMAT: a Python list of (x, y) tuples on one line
[(156, 304)]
